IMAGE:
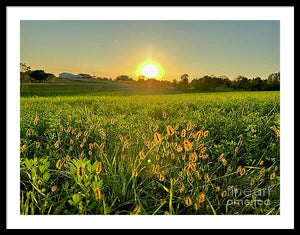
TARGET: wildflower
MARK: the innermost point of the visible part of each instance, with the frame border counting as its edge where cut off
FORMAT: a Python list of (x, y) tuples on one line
[(193, 157), (187, 145), (188, 201), (28, 132), (102, 133), (170, 130), (198, 135), (196, 206), (224, 193), (239, 169), (136, 210), (37, 144), (174, 144), (96, 145), (121, 137), (189, 126), (58, 164), (191, 135), (69, 129), (223, 161), (172, 155), (203, 150), (85, 133), (201, 197), (142, 155), (23, 147), (183, 133), (112, 120), (243, 171), (78, 170), (90, 152), (229, 169), (164, 114), (143, 136), (252, 182), (276, 130), (68, 158), (272, 176), (91, 145), (262, 170), (35, 122), (206, 177), (98, 168), (98, 193), (152, 168), (73, 131), (179, 148), (78, 135), (102, 146), (92, 126), (261, 162), (166, 213), (126, 144), (53, 188), (183, 156), (155, 128), (236, 149), (218, 188), (191, 166), (69, 117), (157, 137), (205, 133), (161, 177), (221, 156), (84, 140), (81, 145)]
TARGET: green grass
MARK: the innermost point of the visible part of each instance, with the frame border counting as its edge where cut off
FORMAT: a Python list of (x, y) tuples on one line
[(87, 87), (239, 124)]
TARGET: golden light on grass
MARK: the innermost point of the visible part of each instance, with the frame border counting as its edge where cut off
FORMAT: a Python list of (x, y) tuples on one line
[(157, 137), (98, 193)]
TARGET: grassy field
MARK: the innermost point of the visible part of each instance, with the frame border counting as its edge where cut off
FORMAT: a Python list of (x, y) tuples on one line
[(205, 153)]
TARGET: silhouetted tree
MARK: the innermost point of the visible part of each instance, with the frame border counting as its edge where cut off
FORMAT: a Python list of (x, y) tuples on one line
[(124, 78), (184, 81), (24, 74), (39, 75)]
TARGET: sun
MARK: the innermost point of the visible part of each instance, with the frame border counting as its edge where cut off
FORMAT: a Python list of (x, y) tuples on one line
[(150, 71)]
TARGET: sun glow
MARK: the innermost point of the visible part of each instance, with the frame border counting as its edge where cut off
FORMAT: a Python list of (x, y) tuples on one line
[(150, 69)]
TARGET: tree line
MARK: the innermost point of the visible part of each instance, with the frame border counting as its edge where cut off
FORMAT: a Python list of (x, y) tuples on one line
[(211, 83), (205, 83), (28, 76)]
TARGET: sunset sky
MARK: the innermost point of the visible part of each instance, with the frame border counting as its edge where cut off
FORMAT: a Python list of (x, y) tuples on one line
[(112, 48)]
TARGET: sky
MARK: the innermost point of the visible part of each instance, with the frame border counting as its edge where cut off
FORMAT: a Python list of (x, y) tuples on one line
[(112, 48)]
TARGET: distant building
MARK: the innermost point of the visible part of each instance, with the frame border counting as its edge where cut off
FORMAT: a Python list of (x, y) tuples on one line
[(71, 75)]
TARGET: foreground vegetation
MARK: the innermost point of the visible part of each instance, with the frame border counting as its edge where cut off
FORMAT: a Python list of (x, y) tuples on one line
[(210, 153)]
